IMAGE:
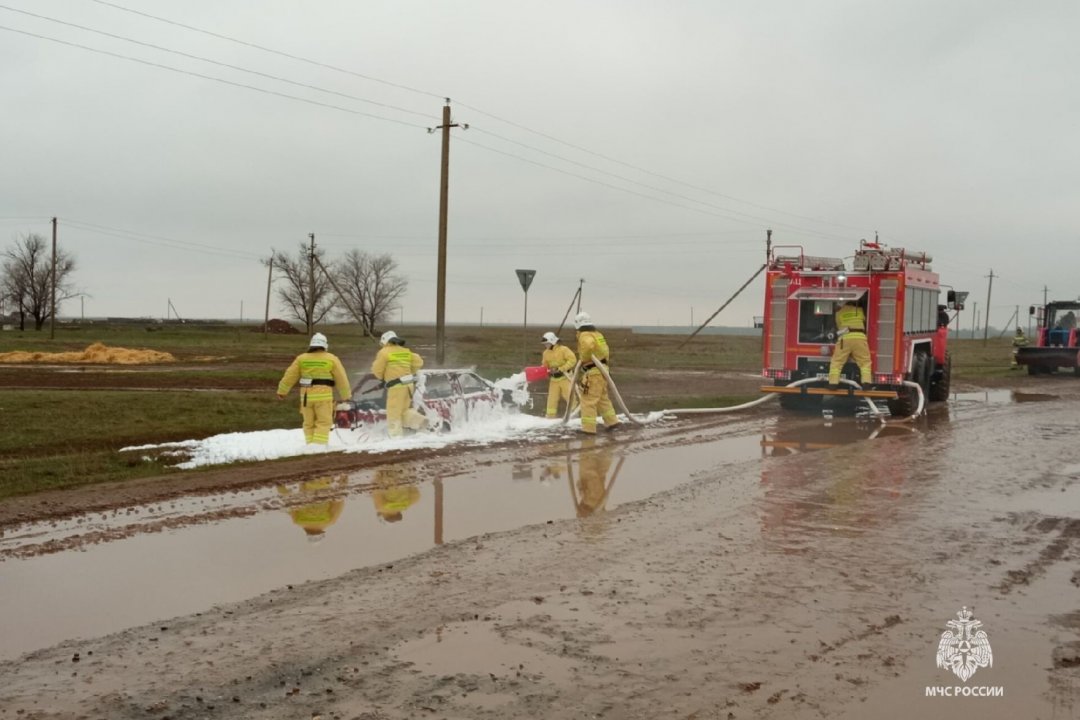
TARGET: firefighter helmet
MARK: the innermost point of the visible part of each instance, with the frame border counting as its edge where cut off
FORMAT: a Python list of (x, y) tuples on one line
[(318, 340), (550, 338), (581, 320), (388, 336)]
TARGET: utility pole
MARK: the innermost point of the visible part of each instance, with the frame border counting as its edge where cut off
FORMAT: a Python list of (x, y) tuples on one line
[(974, 318), (311, 286), (989, 288), (269, 280), (444, 195), (580, 285), (1045, 291), (768, 246), (52, 315)]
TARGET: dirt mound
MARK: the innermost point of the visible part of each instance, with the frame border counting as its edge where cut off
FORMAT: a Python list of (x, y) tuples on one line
[(277, 327), (96, 353)]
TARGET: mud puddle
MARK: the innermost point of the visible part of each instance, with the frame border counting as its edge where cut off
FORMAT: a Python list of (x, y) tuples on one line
[(96, 574)]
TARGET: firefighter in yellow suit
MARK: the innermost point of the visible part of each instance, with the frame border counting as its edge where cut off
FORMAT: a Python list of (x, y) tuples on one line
[(593, 348), (393, 495), (559, 361), (315, 518), (396, 366), (319, 373), (850, 341)]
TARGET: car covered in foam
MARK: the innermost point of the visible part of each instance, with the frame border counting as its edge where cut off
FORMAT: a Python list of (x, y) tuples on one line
[(445, 397)]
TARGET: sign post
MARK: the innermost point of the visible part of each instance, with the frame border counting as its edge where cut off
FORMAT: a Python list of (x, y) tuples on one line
[(525, 277)]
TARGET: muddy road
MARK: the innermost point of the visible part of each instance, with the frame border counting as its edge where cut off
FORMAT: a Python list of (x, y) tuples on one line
[(765, 566)]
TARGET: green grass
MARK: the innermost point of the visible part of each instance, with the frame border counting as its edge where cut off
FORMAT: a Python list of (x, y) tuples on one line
[(55, 439)]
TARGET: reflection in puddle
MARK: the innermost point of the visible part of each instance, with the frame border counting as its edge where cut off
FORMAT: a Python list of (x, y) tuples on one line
[(135, 566)]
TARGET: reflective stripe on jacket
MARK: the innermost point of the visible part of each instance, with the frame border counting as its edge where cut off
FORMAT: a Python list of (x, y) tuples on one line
[(318, 365), (559, 359), (591, 343), (850, 317), (394, 361)]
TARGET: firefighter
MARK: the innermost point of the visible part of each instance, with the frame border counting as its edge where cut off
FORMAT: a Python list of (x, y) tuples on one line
[(396, 365), (850, 341), (559, 361), (393, 495), (593, 348), (315, 517), (319, 372), (1019, 340)]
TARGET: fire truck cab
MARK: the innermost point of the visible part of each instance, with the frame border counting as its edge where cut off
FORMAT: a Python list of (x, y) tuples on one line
[(906, 324)]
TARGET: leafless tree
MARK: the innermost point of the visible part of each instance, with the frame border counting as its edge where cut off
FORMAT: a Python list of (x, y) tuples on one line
[(308, 296), (27, 279), (372, 286)]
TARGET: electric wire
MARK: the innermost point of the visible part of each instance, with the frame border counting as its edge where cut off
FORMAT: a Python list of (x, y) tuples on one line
[(149, 239), (472, 108), (426, 116), (269, 50), (211, 77)]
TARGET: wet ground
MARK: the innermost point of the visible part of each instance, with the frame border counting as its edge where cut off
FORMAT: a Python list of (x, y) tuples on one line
[(770, 565)]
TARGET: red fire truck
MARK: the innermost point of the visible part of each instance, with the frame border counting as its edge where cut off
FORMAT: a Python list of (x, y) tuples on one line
[(906, 327)]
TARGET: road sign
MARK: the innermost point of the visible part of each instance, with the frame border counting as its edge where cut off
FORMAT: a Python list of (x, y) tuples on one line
[(525, 277)]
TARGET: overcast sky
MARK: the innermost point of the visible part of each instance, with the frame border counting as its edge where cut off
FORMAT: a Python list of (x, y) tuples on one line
[(642, 146)]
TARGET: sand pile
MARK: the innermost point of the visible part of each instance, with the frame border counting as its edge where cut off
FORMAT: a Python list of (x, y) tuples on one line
[(96, 353)]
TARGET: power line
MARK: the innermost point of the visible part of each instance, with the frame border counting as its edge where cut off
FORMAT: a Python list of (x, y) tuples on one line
[(211, 77), (426, 116), (269, 50), (633, 192), (441, 96), (646, 171), (148, 239)]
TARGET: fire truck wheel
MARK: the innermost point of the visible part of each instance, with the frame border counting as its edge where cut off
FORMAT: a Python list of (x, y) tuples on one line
[(939, 389)]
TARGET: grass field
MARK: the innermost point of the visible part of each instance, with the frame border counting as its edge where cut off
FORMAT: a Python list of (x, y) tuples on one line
[(54, 438)]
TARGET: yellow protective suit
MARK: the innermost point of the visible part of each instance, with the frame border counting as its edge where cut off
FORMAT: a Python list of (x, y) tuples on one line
[(594, 390), (560, 361), (394, 362), (316, 517), (592, 486), (319, 373), (1019, 340), (393, 496), (851, 328)]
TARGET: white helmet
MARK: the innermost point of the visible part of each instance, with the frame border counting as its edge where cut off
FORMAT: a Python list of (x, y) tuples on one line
[(550, 338), (388, 336), (318, 340), (582, 319)]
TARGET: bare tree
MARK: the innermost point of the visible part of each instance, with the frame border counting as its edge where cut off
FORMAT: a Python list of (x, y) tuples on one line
[(27, 279), (307, 300), (372, 285)]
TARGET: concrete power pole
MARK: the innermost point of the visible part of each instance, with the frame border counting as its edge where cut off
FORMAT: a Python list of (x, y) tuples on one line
[(311, 286), (986, 320), (444, 196), (269, 281), (52, 313)]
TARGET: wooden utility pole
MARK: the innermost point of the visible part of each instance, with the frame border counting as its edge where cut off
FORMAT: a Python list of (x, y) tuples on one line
[(311, 286), (580, 288), (444, 195), (986, 324), (52, 314), (269, 280), (1045, 291)]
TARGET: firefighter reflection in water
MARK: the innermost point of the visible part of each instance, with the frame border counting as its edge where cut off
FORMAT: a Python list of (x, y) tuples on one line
[(393, 494), (315, 517), (850, 341), (592, 489)]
